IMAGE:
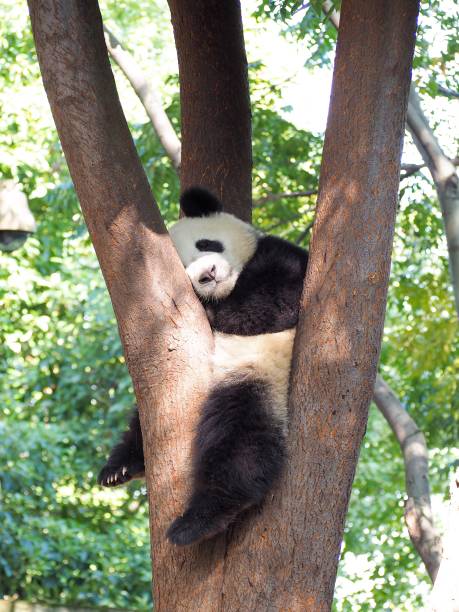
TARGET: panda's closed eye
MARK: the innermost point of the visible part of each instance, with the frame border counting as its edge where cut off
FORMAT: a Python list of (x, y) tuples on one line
[(214, 246)]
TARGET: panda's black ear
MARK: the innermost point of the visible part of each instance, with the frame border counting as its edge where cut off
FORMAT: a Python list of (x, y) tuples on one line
[(198, 202)]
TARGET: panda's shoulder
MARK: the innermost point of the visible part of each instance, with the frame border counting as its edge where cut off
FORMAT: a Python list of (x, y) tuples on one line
[(267, 294), (275, 255)]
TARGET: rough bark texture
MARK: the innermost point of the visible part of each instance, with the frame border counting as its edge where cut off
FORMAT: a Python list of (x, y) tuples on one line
[(215, 105), (285, 557), (418, 513), (446, 181), (163, 328), (445, 593), (418, 509), (147, 94), (339, 334)]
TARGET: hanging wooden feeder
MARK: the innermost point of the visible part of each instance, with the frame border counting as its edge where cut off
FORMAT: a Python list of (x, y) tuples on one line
[(16, 219)]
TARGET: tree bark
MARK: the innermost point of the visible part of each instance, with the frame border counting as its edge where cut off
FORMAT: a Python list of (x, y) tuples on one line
[(339, 334), (418, 509), (286, 556), (445, 593), (164, 331), (146, 93), (215, 104)]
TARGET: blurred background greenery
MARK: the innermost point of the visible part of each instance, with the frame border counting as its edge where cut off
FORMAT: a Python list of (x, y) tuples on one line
[(64, 389)]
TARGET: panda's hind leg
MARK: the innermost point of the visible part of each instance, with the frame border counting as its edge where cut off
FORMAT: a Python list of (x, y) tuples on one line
[(126, 459), (239, 453)]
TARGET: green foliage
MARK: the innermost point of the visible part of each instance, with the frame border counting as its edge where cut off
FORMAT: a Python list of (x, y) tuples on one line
[(64, 388), (307, 22)]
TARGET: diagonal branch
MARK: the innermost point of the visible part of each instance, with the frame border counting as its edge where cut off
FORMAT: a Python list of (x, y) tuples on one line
[(440, 166), (448, 93), (446, 180), (418, 510), (147, 95)]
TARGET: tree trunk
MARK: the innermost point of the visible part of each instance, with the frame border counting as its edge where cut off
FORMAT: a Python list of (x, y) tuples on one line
[(285, 557), (164, 331), (215, 104), (339, 334), (440, 167)]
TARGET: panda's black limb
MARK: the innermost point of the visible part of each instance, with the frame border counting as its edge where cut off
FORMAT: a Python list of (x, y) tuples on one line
[(126, 458), (239, 453)]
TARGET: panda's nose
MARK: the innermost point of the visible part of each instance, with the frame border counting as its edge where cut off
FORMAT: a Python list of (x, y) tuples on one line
[(208, 276)]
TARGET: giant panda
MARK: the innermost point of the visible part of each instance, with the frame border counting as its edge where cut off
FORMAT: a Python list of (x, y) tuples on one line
[(250, 285)]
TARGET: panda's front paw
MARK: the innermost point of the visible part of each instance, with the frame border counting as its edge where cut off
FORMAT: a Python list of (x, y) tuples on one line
[(116, 475)]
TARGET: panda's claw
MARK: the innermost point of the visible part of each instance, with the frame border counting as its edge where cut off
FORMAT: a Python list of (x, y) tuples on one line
[(116, 475)]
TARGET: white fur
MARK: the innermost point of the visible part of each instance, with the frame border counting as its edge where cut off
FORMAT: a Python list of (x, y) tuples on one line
[(239, 241), (266, 357)]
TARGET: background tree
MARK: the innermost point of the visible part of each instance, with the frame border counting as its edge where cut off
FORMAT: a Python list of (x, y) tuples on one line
[(43, 324)]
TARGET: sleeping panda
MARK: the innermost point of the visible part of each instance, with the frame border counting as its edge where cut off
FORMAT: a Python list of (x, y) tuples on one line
[(250, 285)]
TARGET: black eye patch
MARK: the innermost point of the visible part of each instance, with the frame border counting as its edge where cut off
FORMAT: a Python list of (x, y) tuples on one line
[(210, 245)]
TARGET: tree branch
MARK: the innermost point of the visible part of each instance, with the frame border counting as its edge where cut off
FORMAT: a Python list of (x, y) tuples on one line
[(148, 97), (440, 166), (445, 593), (338, 337), (418, 510), (214, 101), (446, 180), (163, 328), (448, 93)]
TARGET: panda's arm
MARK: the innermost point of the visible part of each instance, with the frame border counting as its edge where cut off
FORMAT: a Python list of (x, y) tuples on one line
[(267, 293)]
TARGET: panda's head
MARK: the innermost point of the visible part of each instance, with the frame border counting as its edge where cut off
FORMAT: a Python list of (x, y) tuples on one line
[(214, 246)]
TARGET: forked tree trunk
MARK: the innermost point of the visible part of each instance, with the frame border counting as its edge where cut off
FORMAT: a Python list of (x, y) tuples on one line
[(165, 334), (285, 557), (214, 97)]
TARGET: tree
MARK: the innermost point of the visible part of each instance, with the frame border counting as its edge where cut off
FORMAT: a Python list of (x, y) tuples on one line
[(117, 205)]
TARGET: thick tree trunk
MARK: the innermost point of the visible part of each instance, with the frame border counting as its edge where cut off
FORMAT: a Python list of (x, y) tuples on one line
[(440, 167), (285, 557), (339, 334), (163, 328), (215, 104)]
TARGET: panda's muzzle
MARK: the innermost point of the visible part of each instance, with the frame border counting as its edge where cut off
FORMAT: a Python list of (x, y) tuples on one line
[(208, 276)]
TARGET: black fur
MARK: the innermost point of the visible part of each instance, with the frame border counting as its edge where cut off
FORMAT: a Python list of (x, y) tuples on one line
[(209, 246), (198, 202), (239, 453), (126, 459), (267, 293)]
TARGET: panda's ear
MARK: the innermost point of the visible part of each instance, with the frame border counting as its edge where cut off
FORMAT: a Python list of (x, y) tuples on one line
[(198, 202)]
